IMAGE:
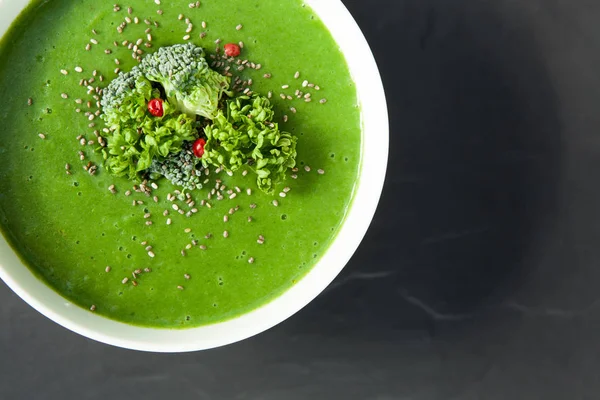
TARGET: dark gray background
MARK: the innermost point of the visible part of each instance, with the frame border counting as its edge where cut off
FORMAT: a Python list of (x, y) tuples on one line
[(480, 275)]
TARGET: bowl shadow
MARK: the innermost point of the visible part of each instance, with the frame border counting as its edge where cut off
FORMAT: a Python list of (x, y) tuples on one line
[(473, 171)]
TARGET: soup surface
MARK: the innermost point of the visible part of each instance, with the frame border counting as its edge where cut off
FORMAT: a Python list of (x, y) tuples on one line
[(135, 258)]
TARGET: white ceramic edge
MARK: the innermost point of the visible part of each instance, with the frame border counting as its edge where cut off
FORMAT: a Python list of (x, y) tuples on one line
[(367, 193)]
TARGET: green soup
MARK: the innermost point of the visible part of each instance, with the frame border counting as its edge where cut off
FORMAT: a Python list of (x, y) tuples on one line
[(68, 227)]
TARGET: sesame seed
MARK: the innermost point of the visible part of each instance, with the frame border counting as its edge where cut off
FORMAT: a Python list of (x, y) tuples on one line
[(157, 2), (286, 189), (169, 221), (159, 12), (88, 47), (225, 218), (180, 287), (180, 17), (239, 27), (128, 20), (202, 247), (148, 223), (307, 168), (305, 83), (317, 87), (275, 203), (187, 276), (285, 118), (225, 234), (320, 171), (251, 260), (293, 109), (202, 35), (323, 101), (93, 41), (186, 37), (64, 95), (203, 24), (183, 253), (149, 37), (147, 215), (64, 72), (188, 246), (285, 86), (297, 75), (187, 230), (175, 207), (107, 269), (93, 308), (125, 280), (282, 194), (151, 254), (253, 206), (42, 136), (129, 10)]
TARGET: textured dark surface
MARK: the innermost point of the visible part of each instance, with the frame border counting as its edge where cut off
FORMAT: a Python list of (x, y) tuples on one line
[(480, 275)]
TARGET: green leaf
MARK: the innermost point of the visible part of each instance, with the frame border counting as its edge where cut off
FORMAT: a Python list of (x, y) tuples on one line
[(244, 131)]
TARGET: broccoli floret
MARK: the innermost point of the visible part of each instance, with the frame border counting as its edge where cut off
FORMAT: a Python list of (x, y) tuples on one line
[(182, 169), (124, 95), (188, 81)]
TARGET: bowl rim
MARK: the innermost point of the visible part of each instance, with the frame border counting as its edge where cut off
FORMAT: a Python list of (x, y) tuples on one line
[(367, 192)]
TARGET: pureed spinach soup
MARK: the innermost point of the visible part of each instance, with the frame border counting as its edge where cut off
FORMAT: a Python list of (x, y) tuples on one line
[(153, 175)]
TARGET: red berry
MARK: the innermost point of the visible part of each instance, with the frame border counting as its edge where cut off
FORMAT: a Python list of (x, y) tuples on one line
[(155, 106), (199, 147), (232, 50)]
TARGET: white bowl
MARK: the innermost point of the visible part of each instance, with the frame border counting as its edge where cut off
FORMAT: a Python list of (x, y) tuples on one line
[(374, 160)]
